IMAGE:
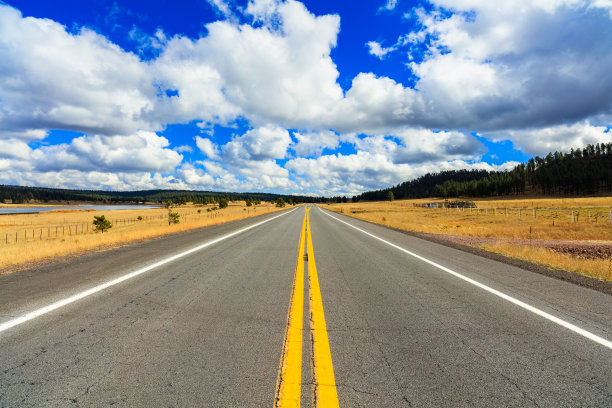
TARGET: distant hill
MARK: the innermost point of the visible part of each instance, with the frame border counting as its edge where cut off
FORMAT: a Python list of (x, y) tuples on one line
[(19, 194), (584, 171)]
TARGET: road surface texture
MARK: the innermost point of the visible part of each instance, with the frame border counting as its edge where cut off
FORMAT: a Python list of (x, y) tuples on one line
[(431, 327)]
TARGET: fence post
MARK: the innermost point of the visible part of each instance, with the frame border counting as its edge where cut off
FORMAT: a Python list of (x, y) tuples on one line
[(519, 213), (533, 209), (506, 212)]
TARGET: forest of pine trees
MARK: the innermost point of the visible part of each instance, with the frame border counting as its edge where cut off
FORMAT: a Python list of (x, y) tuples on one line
[(21, 195), (581, 172)]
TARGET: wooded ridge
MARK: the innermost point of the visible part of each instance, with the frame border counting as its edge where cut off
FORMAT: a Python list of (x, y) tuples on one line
[(584, 171)]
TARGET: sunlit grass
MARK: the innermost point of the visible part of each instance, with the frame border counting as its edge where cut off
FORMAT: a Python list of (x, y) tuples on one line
[(574, 219), (36, 237), (484, 221), (596, 268)]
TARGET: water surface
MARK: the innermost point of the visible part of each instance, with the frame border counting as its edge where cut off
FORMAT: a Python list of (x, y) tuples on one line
[(101, 207)]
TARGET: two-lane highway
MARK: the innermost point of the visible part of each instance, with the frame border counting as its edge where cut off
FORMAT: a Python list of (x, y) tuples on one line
[(210, 317), (406, 333), (203, 330)]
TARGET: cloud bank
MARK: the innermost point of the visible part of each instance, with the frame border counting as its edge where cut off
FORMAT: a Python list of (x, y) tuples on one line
[(532, 72)]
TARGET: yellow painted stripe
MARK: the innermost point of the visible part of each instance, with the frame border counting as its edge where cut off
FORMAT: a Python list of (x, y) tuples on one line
[(289, 382), (326, 395)]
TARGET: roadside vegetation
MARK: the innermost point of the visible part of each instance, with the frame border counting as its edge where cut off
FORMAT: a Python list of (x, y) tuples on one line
[(26, 238), (573, 234), (100, 224)]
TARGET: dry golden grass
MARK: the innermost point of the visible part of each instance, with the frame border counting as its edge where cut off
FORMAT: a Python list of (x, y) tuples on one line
[(568, 203), (491, 221), (542, 219), (596, 268), (42, 242)]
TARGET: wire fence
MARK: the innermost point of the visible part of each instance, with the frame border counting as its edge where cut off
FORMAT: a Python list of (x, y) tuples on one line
[(39, 233), (572, 215)]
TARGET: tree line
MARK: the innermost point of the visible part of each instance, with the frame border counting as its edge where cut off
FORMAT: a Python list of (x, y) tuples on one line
[(583, 171), (21, 195)]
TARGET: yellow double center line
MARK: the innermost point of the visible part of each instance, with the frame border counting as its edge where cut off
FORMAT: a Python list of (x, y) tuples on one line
[(289, 383)]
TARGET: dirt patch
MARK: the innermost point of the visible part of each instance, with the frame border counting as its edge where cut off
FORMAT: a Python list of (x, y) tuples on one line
[(586, 252)]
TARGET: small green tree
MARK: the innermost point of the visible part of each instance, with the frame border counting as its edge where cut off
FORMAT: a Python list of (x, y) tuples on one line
[(101, 223), (280, 202), (249, 202), (390, 196), (223, 203), (173, 218)]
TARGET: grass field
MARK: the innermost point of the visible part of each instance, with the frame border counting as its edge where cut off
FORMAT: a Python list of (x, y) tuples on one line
[(520, 220), (32, 237)]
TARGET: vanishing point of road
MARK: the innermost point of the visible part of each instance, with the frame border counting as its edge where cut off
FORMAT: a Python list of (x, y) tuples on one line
[(299, 308)]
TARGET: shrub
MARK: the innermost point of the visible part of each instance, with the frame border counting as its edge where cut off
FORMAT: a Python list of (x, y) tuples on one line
[(101, 223), (223, 203), (173, 218)]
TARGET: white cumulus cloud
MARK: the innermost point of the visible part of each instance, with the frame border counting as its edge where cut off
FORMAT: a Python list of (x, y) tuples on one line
[(143, 151), (313, 143)]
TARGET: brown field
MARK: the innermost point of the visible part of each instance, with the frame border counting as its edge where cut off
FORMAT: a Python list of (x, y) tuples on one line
[(573, 234), (26, 238)]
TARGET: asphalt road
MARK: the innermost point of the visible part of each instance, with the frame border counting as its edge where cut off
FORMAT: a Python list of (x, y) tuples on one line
[(208, 328)]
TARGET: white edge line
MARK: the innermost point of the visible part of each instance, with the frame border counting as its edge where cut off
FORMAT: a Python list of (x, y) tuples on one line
[(554, 319), (61, 303)]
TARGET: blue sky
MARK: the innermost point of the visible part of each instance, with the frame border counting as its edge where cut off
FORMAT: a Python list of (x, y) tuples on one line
[(314, 97)]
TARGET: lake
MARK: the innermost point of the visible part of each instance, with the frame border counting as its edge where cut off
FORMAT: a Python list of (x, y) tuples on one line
[(34, 210)]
